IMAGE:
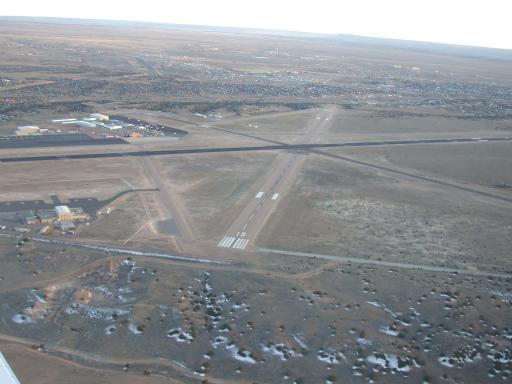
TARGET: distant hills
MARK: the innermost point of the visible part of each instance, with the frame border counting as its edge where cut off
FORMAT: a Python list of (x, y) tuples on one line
[(448, 49)]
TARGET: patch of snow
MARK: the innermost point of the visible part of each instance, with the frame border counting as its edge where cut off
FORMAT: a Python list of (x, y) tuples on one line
[(280, 350), (179, 364), (219, 340), (180, 336), (363, 341), (133, 329), (388, 361), (445, 361), (93, 312), (38, 298), (329, 356), (20, 318), (299, 340), (240, 354), (388, 331)]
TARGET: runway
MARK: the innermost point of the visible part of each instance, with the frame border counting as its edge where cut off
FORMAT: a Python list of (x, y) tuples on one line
[(56, 140), (277, 147), (275, 183)]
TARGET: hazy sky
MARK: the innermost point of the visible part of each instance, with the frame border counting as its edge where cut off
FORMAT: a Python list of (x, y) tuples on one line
[(469, 22)]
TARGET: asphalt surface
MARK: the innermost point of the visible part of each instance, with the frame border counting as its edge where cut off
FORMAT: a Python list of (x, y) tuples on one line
[(275, 183), (168, 131), (90, 205), (57, 140), (169, 208), (246, 149)]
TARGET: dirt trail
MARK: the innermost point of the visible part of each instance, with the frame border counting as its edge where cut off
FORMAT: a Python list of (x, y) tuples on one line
[(94, 360)]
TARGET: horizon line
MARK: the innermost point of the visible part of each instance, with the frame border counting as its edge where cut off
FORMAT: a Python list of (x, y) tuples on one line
[(254, 30)]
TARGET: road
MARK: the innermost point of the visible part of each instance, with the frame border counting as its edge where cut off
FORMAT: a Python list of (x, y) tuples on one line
[(167, 202), (278, 180), (356, 260), (276, 147), (150, 67), (86, 359), (130, 252)]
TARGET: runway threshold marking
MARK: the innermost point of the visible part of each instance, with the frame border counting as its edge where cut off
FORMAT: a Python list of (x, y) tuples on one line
[(226, 241), (237, 242), (241, 243), (233, 242), (260, 194), (276, 196)]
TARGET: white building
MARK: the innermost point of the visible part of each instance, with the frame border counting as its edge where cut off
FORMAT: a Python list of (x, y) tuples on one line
[(63, 213), (86, 124), (109, 126)]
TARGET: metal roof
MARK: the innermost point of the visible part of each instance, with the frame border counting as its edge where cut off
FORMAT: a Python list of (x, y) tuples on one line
[(62, 209), (7, 376)]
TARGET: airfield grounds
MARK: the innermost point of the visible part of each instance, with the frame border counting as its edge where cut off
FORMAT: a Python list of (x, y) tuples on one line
[(386, 263)]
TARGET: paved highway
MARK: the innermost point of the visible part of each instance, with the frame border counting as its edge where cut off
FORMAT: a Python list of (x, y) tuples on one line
[(159, 152)]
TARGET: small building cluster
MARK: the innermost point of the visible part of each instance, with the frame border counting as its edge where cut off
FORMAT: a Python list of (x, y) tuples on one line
[(62, 215), (29, 130), (119, 126), (94, 120)]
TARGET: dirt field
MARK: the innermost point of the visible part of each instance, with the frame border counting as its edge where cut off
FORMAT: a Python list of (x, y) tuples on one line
[(341, 209), (341, 321), (212, 187), (364, 264), (474, 164)]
